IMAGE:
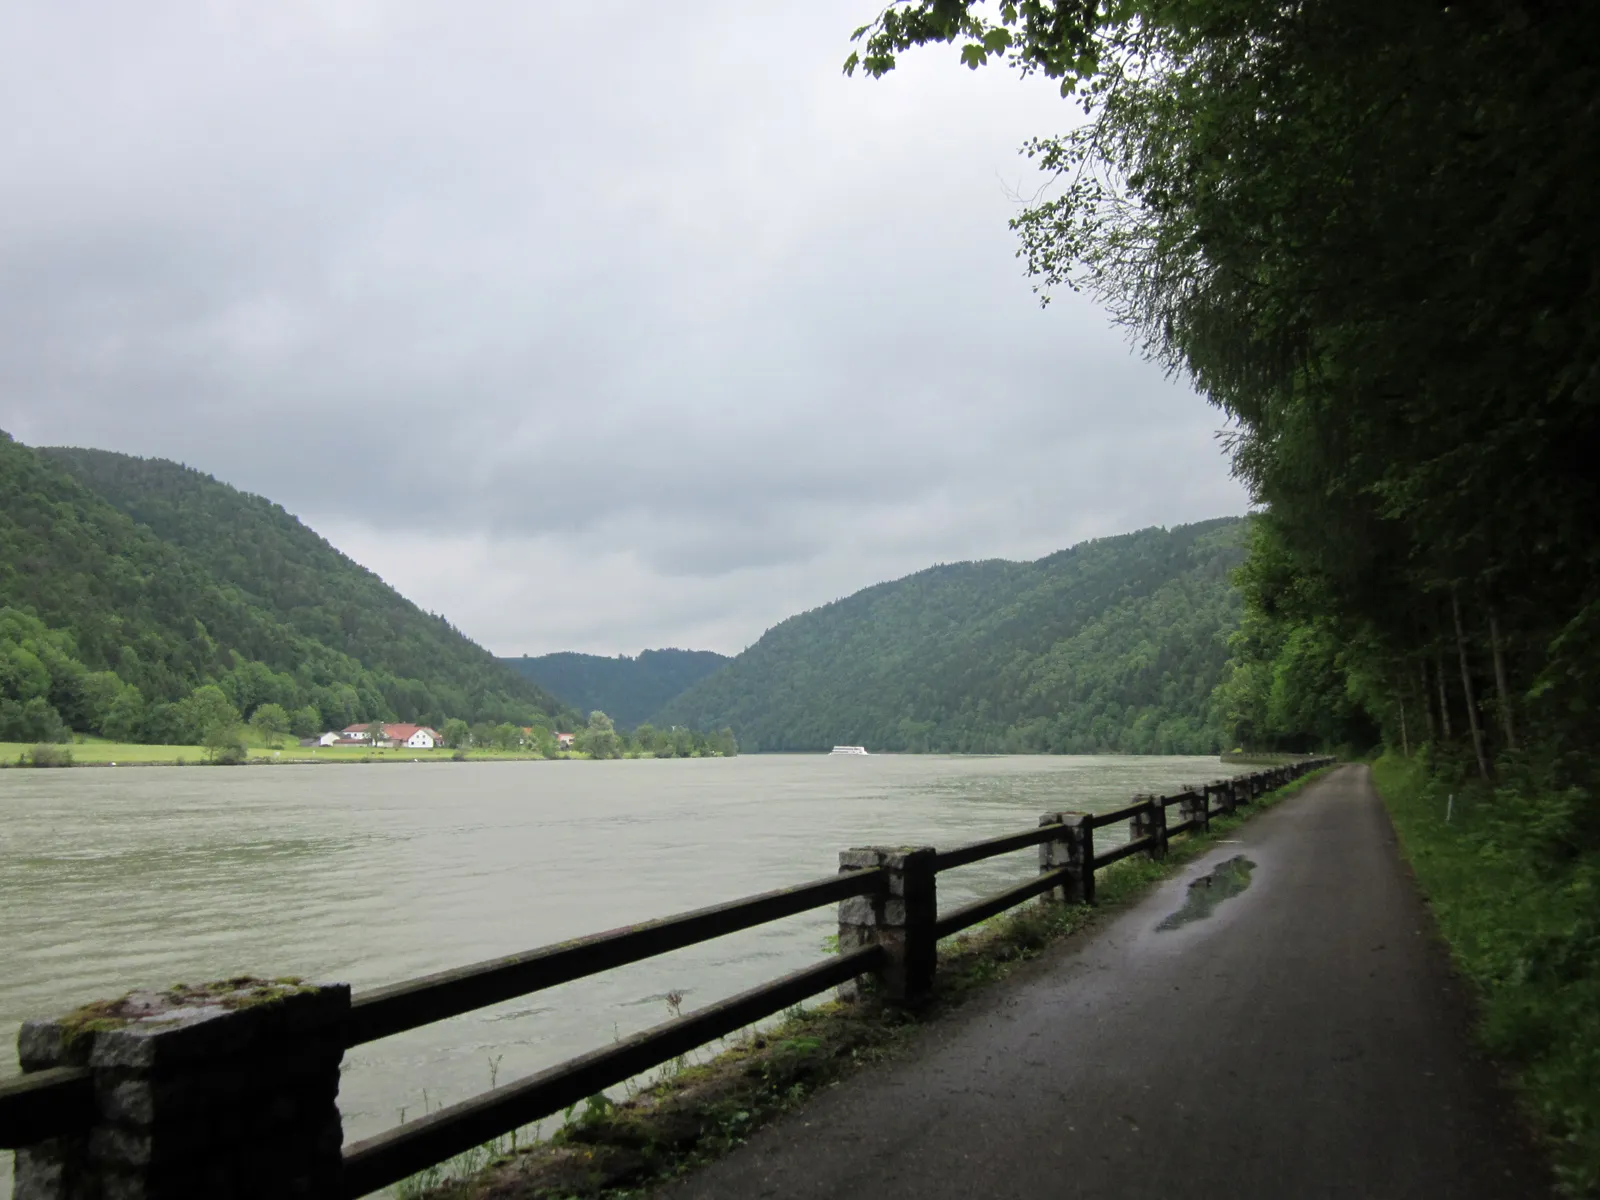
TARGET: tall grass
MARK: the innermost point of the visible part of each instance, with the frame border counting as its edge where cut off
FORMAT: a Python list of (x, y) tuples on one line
[(1518, 900)]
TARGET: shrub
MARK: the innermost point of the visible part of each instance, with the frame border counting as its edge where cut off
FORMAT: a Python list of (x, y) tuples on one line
[(47, 755)]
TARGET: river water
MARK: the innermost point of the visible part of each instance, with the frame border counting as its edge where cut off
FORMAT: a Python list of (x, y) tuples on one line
[(115, 879)]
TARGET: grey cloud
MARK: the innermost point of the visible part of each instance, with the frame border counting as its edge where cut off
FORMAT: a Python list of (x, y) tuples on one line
[(651, 325)]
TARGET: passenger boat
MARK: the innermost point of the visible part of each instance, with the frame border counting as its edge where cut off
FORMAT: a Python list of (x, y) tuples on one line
[(848, 750)]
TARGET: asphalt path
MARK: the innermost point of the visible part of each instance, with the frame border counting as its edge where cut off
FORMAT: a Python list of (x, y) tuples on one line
[(1301, 1036)]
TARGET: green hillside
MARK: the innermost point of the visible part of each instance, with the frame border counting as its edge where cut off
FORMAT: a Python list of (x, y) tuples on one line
[(111, 619), (626, 689), (1114, 645)]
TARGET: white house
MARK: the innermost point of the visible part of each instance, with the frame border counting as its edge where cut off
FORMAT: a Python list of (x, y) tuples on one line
[(415, 737)]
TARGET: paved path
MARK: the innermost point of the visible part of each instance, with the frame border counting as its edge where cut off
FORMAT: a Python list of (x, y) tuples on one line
[(1304, 1040)]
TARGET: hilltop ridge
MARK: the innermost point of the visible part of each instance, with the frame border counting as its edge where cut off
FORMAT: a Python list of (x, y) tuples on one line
[(1113, 645)]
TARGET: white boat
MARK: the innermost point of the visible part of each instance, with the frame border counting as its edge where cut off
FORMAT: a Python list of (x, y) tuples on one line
[(848, 750)]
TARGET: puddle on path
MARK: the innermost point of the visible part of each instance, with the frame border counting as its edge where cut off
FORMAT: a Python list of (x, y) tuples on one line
[(1226, 880)]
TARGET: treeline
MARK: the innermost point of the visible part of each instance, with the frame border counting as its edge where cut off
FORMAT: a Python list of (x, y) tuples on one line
[(599, 738), (630, 688), (1366, 232), (110, 627), (1115, 645)]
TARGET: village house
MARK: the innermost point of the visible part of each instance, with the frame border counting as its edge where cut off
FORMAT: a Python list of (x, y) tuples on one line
[(564, 741), (413, 737)]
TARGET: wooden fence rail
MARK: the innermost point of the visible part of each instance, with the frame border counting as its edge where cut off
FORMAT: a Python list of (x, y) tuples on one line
[(233, 1088)]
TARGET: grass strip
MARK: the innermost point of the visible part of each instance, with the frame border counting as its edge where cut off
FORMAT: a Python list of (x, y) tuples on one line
[(692, 1114), (1517, 900)]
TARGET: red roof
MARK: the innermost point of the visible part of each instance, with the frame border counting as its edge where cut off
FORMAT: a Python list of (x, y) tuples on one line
[(399, 733)]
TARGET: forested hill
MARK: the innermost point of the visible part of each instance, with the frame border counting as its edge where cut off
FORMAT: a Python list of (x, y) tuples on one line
[(297, 576), (1114, 645), (626, 689), (126, 584)]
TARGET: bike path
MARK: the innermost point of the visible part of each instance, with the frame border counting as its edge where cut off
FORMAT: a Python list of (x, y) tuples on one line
[(1305, 1039)]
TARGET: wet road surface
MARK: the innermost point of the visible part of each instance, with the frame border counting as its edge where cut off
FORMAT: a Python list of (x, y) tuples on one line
[(1288, 1028)]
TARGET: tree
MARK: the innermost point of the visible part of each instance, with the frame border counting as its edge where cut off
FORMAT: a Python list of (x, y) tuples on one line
[(224, 744), (34, 720), (455, 733), (204, 710), (377, 732), (1361, 231), (125, 718), (271, 723), (306, 721), (599, 739)]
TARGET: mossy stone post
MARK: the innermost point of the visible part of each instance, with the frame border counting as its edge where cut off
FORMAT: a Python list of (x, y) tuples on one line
[(1195, 807), (900, 918), (1151, 823), (1072, 850), (229, 1089)]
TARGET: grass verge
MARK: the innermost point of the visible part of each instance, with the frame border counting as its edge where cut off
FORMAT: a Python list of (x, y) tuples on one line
[(693, 1114), (1519, 906)]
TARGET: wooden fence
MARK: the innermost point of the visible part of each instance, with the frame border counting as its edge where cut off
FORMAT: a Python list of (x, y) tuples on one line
[(232, 1088)]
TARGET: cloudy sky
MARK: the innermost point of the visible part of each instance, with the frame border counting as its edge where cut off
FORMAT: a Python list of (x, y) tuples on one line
[(593, 326)]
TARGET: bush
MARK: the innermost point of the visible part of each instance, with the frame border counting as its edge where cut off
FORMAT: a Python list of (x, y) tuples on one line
[(47, 755)]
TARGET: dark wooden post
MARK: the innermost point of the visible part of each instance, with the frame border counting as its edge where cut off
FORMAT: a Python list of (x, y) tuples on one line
[(1074, 851), (900, 918), (228, 1089), (1150, 823), (1195, 807), (1220, 789)]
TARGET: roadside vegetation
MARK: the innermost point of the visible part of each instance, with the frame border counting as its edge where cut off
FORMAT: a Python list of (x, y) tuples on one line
[(1518, 900), (689, 1113)]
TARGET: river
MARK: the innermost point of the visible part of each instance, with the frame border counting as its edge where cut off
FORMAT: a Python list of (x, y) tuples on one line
[(112, 879)]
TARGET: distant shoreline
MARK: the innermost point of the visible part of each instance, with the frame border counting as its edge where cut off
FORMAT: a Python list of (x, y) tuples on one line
[(194, 756)]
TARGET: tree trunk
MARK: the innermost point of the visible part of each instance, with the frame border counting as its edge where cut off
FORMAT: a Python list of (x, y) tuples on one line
[(1427, 703), (1444, 697), (1466, 688), (1502, 692), (1405, 745)]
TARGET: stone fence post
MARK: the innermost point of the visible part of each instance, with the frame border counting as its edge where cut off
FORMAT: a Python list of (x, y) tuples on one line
[(1073, 850), (228, 1089), (900, 919), (1152, 822)]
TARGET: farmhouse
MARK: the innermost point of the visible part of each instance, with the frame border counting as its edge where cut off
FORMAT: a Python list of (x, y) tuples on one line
[(414, 737)]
